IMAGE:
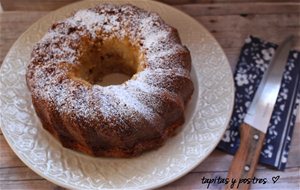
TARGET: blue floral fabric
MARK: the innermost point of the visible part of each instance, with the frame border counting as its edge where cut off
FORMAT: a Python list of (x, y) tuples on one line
[(254, 59)]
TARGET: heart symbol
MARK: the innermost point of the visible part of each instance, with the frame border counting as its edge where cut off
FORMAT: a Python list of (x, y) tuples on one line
[(275, 178)]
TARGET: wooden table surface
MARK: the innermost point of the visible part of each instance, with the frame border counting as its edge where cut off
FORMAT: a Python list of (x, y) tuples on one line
[(229, 21)]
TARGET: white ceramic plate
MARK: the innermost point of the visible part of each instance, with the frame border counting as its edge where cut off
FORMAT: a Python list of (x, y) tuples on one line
[(206, 117)]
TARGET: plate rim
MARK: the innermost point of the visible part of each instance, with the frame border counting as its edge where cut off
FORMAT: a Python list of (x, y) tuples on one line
[(151, 185)]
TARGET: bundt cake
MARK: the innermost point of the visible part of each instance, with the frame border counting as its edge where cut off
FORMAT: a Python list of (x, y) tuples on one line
[(123, 120)]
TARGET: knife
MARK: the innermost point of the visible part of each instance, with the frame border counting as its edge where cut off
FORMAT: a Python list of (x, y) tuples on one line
[(256, 121)]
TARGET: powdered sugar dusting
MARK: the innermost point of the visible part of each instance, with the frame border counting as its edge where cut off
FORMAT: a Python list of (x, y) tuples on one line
[(88, 19), (50, 72)]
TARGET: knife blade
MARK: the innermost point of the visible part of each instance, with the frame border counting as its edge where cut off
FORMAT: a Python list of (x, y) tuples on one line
[(256, 121)]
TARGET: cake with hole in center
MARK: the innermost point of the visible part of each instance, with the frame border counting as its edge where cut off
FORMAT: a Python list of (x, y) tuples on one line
[(69, 63)]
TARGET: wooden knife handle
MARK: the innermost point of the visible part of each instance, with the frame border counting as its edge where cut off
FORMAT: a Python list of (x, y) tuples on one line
[(245, 160)]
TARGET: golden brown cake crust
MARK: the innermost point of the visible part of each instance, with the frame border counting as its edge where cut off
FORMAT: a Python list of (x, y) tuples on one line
[(118, 120)]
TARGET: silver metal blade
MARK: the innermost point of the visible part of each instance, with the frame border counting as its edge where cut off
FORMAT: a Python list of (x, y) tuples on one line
[(261, 108)]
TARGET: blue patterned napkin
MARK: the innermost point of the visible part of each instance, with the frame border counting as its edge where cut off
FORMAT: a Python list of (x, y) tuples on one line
[(254, 59)]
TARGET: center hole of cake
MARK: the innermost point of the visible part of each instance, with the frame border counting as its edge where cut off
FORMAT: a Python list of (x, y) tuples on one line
[(110, 62)]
